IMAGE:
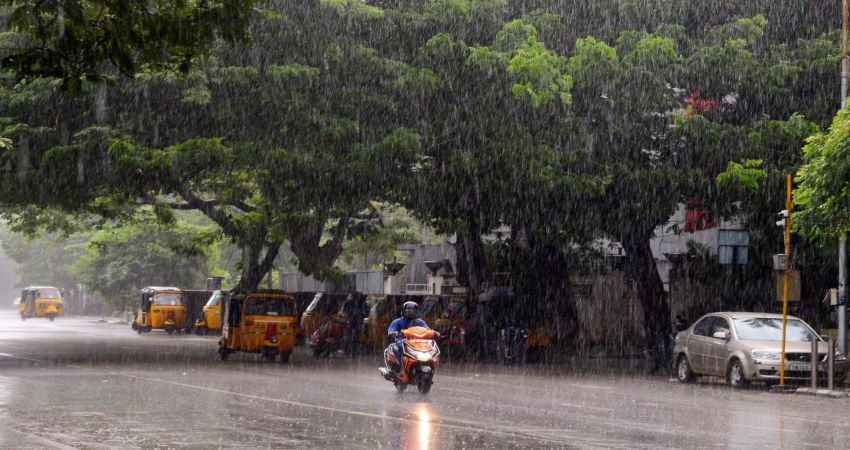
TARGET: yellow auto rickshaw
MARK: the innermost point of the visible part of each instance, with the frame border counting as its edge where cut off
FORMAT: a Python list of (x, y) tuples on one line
[(210, 320), (383, 309), (451, 322), (160, 308), (259, 321), (41, 301)]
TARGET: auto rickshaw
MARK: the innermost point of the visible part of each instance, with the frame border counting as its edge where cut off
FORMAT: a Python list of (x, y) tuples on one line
[(302, 300), (259, 321), (210, 320), (41, 301), (451, 323), (322, 308), (160, 308), (383, 309)]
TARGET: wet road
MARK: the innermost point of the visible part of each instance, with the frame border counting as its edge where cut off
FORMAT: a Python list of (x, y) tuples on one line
[(76, 383)]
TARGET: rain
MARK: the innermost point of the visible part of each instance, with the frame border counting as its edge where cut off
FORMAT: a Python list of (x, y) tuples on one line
[(424, 224)]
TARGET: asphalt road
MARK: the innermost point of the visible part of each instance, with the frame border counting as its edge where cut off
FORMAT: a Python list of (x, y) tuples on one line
[(77, 383)]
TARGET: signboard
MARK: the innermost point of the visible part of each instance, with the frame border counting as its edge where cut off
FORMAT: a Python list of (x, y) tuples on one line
[(793, 286)]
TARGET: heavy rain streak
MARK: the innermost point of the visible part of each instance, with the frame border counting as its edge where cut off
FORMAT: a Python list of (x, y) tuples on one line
[(424, 224)]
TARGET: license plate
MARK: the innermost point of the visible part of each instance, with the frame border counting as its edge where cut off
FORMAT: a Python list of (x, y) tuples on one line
[(800, 366)]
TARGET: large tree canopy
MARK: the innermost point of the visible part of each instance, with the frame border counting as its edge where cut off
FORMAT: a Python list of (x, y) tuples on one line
[(567, 122)]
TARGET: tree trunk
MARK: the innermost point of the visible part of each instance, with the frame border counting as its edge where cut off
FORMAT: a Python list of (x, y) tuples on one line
[(254, 269), (651, 295), (471, 260), (314, 258)]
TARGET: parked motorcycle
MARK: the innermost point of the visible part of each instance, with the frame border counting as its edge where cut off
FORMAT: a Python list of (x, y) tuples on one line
[(328, 338), (511, 345), (419, 360)]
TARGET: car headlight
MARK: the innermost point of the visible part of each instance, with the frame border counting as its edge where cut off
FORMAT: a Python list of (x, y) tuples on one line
[(769, 355)]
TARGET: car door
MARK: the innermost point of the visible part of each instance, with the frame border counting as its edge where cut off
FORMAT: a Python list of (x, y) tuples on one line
[(697, 342), (717, 349)]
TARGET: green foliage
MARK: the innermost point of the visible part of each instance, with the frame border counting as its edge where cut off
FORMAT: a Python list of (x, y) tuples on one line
[(745, 174), (823, 192), (118, 262), (75, 40)]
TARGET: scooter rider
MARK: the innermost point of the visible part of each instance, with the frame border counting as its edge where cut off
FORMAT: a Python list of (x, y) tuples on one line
[(409, 318)]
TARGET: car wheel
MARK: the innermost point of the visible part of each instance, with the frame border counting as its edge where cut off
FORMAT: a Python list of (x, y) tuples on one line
[(735, 375), (683, 370)]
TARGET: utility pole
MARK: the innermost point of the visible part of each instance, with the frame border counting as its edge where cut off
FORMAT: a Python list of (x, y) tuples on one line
[(842, 245), (786, 221)]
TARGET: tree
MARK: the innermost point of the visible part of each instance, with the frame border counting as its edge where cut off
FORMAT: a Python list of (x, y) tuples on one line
[(823, 191), (78, 41), (286, 149), (119, 262)]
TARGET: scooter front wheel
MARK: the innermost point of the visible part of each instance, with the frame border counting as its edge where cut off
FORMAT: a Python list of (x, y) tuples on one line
[(400, 387)]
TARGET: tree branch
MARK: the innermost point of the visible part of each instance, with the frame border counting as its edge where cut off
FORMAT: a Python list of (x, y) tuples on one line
[(209, 208)]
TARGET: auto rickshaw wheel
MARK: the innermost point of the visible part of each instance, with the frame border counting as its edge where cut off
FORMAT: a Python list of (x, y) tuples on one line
[(51, 317), (170, 331), (223, 352), (284, 357), (269, 354), (201, 331), (23, 317)]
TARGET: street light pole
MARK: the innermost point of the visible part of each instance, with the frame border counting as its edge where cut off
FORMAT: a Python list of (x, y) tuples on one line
[(842, 245)]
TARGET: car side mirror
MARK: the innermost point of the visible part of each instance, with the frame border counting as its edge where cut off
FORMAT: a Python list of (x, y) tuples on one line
[(725, 335)]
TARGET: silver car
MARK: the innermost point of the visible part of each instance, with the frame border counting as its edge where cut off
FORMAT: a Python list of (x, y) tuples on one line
[(744, 347)]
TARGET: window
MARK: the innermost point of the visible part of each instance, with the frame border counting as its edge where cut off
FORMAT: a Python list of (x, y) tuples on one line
[(770, 329), (167, 299), (215, 299), (48, 293), (703, 328), (269, 306), (720, 324), (733, 247)]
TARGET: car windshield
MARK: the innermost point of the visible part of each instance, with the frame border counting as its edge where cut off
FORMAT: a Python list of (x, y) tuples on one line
[(167, 299), (269, 306), (49, 293), (215, 300), (770, 329)]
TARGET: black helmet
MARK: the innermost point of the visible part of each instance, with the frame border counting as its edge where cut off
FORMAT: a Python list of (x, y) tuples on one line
[(410, 310)]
